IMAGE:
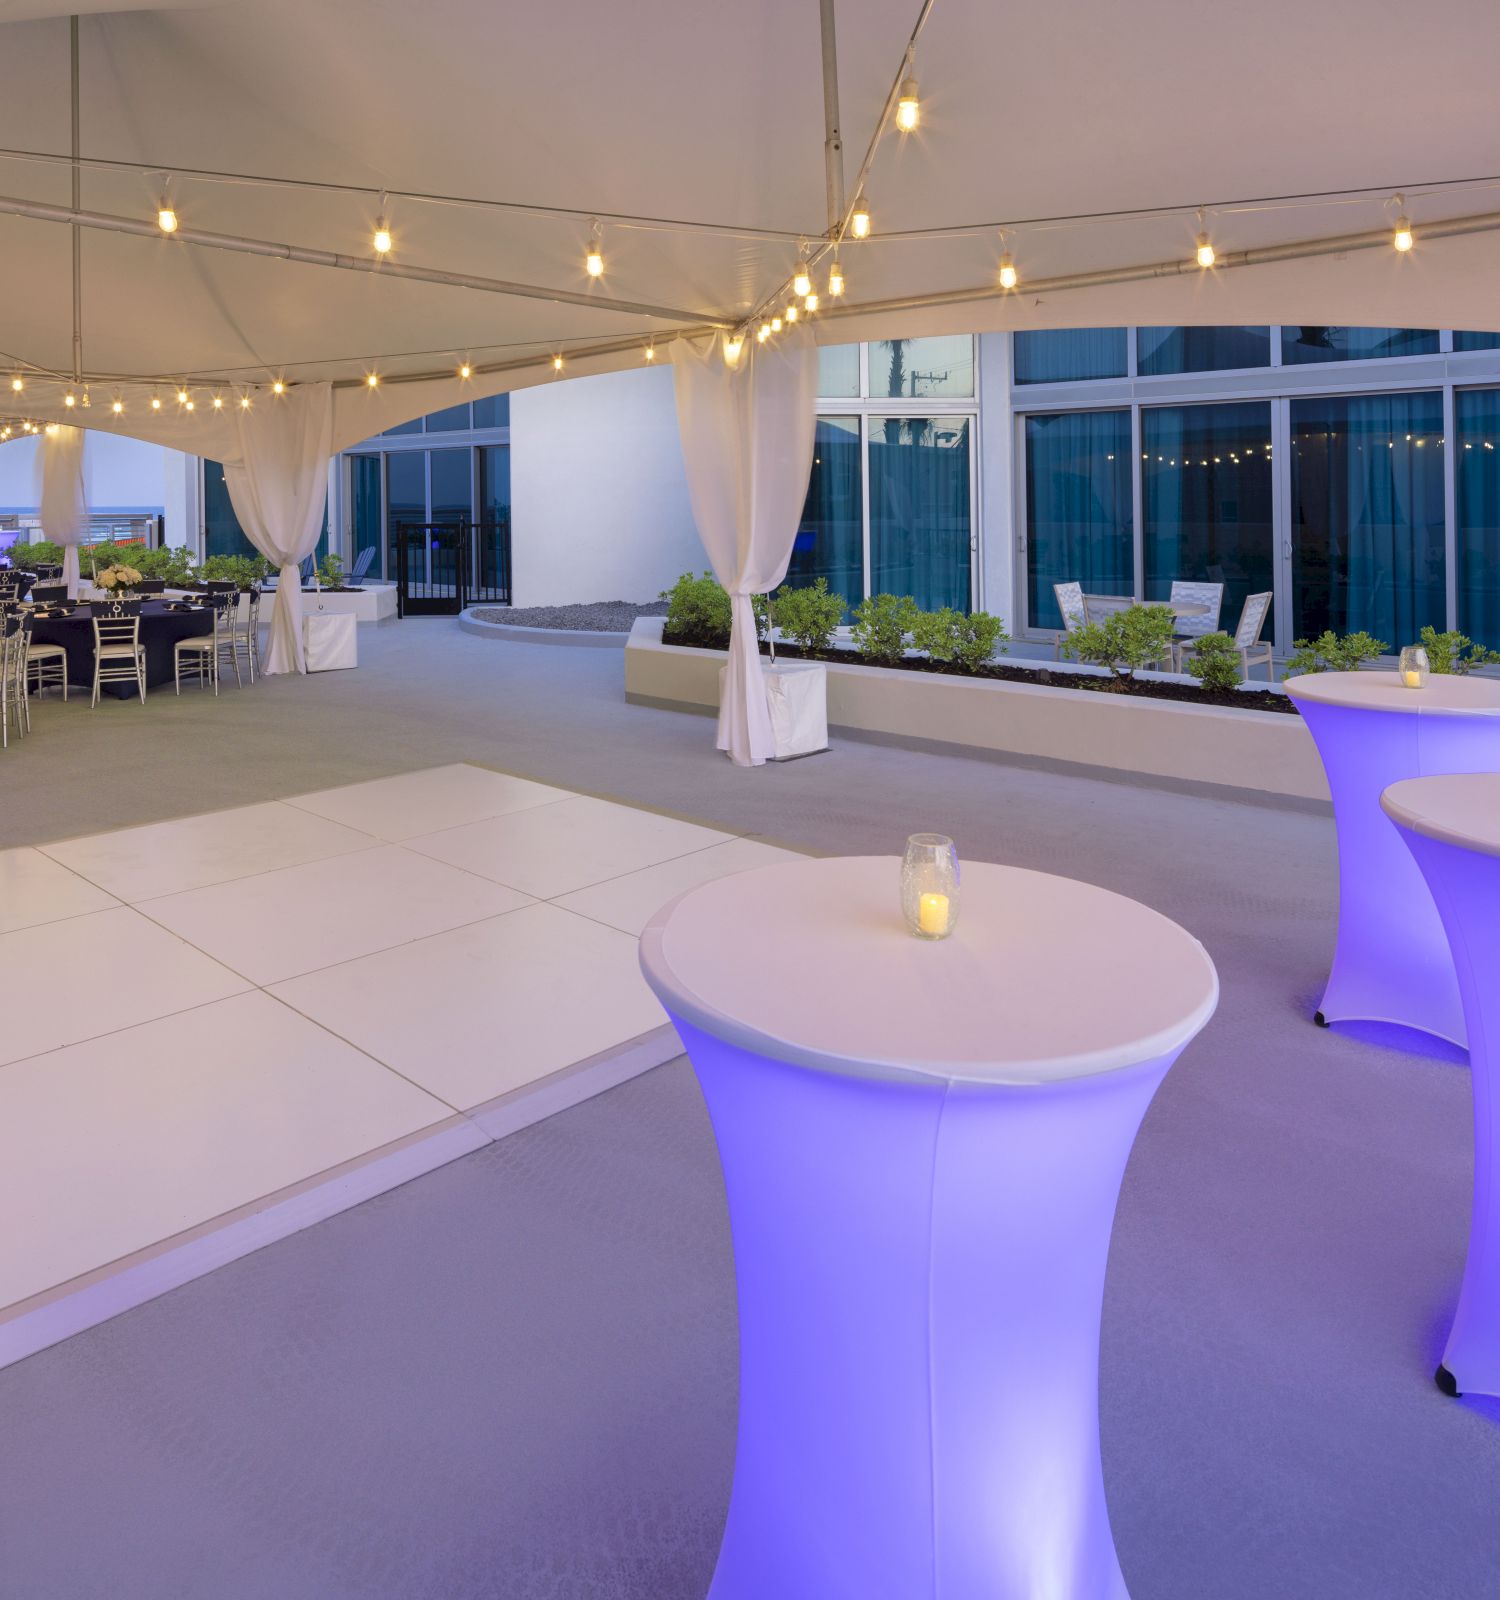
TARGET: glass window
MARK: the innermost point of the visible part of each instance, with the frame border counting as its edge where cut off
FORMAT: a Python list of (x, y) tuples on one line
[(494, 483), (492, 412), (450, 420), (1163, 350), (1463, 340), (838, 371), (913, 369), (1477, 470), (364, 484), (1078, 508), (414, 426), (222, 534), (405, 493), (919, 508), (1206, 500), (452, 486), (1063, 355), (1302, 345), (1367, 515), (830, 536)]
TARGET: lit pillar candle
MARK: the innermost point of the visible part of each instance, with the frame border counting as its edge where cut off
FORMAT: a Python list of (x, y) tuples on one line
[(932, 913), (1412, 680)]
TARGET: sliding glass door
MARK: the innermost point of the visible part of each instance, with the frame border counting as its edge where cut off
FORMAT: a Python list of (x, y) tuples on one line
[(920, 517), (1367, 515), (1078, 508), (1206, 499), (830, 541)]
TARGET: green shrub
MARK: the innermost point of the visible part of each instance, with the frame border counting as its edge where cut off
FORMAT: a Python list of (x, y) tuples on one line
[(809, 616), (39, 553), (935, 633), (243, 570), (1455, 652), (1215, 663), (698, 611), (1125, 642), (1331, 653), (331, 571), (881, 625), (171, 562)]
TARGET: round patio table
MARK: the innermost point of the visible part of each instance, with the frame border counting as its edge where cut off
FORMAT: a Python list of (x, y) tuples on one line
[(1451, 825), (1391, 962), (161, 628), (922, 1146)]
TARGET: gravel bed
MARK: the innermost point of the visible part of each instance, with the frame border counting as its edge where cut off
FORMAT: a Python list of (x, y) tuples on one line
[(599, 616)]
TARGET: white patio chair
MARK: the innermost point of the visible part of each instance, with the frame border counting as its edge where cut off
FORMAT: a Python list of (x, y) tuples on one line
[(1208, 595), (1247, 640), (1069, 597)]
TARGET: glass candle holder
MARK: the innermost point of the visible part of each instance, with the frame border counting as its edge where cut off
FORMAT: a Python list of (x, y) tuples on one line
[(1413, 668), (929, 885)]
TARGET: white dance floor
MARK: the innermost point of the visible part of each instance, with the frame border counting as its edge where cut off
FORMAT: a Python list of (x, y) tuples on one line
[(247, 1019)]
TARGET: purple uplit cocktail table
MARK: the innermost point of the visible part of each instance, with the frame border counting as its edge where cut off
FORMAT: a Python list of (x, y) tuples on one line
[(1391, 963), (922, 1146), (1452, 827)]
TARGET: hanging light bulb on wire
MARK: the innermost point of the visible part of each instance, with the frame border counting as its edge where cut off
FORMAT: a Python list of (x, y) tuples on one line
[(593, 262), (1402, 238), (1204, 245), (1009, 277), (166, 217), (835, 280), (908, 105), (382, 236), (859, 218), (802, 280)]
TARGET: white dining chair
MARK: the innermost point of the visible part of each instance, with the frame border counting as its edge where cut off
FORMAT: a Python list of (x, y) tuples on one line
[(1069, 597), (1247, 640)]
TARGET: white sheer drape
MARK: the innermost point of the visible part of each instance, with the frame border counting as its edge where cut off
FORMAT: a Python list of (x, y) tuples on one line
[(279, 490), (747, 442), (63, 499)]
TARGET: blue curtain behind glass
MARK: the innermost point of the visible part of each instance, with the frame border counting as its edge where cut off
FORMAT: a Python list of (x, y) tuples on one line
[(1065, 355), (1478, 474), (1164, 350), (1206, 499), (1367, 515), (1299, 346), (1078, 508), (830, 537), (919, 509)]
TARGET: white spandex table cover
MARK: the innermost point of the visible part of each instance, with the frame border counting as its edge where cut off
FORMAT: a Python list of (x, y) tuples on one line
[(922, 1147), (1391, 963), (1452, 827)]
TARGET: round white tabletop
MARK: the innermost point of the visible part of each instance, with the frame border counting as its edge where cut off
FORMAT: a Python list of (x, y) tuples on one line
[(1043, 979), (1458, 808), (1443, 695)]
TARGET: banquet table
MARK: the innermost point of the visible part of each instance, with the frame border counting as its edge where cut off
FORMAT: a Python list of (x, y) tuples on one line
[(161, 628), (922, 1145), (1451, 825), (1391, 962)]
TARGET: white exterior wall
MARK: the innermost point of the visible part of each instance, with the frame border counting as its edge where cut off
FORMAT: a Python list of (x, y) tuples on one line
[(996, 499), (120, 475), (599, 500)]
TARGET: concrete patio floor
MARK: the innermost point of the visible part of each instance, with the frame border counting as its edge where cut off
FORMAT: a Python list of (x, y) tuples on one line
[(515, 1376)]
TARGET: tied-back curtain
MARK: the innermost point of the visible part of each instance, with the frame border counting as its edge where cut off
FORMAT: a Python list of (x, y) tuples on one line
[(747, 443), (278, 489), (64, 503)]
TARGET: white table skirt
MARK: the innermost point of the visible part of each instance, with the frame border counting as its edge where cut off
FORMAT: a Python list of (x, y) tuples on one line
[(797, 698), (330, 641)]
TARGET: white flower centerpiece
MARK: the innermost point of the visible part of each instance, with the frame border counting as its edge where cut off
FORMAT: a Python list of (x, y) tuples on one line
[(119, 580)]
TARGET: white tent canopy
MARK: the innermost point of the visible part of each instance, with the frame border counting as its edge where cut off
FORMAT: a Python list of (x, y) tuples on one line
[(694, 134)]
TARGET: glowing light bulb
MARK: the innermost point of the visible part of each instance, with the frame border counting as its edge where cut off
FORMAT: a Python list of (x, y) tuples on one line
[(802, 283), (733, 344), (18, 383), (51, 430), (593, 262), (70, 400), (775, 324), (117, 407), (651, 352), (182, 397), (218, 402), (791, 313), (466, 371), (762, 333), (166, 217), (1206, 256), (372, 380), (859, 219), (835, 279), (382, 240), (156, 402), (557, 363), (811, 302), (278, 387), (1402, 238), (191, 406), (244, 402), (908, 107), (1009, 277)]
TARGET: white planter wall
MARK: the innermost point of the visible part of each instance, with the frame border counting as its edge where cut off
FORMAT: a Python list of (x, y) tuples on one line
[(1263, 753)]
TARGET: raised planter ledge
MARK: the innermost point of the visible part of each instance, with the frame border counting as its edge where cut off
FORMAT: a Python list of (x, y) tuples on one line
[(587, 637), (1263, 757)]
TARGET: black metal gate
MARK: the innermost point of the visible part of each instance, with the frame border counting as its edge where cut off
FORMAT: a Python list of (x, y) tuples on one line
[(442, 567)]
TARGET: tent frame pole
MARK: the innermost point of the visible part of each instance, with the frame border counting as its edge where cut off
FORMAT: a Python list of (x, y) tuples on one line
[(833, 139)]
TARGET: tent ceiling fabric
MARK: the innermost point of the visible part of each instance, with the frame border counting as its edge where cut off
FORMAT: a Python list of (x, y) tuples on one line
[(712, 116)]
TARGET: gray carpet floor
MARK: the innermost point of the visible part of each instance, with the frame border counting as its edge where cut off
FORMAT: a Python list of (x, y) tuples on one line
[(515, 1376)]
